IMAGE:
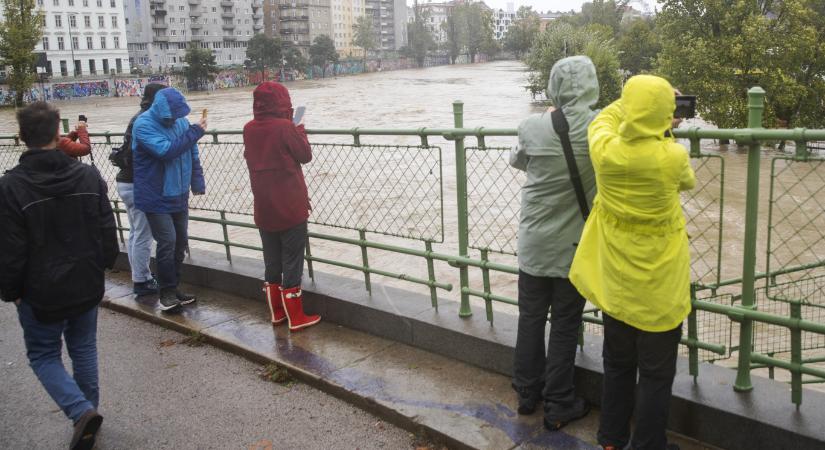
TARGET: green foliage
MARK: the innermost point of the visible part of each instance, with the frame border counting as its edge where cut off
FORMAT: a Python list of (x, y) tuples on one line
[(365, 36), (200, 67), (19, 34), (561, 40), (639, 46), (604, 12), (294, 59), (322, 52), (264, 51), (476, 29), (420, 40), (718, 49), (455, 40), (522, 32)]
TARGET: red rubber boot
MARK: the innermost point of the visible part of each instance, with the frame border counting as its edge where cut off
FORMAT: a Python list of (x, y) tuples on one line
[(273, 299), (294, 306)]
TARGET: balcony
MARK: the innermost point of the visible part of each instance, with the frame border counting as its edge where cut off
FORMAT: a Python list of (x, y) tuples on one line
[(228, 26), (159, 26), (227, 3), (157, 2), (258, 15), (228, 15), (194, 2), (229, 37), (293, 5), (194, 13), (159, 11), (294, 30), (294, 18), (163, 38), (257, 4), (257, 27), (196, 26)]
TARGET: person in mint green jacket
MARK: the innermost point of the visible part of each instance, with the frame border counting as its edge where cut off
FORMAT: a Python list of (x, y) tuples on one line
[(549, 231)]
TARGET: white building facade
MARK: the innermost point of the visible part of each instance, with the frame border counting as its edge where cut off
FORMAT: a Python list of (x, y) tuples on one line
[(83, 38), (345, 14), (160, 31), (502, 20)]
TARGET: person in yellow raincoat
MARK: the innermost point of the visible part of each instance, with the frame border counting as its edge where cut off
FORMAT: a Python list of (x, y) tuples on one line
[(633, 260)]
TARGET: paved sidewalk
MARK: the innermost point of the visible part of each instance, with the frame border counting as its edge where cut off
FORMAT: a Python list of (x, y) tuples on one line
[(461, 404), (159, 393)]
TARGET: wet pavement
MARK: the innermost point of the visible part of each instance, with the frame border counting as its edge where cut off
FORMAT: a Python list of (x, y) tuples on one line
[(159, 393), (458, 402)]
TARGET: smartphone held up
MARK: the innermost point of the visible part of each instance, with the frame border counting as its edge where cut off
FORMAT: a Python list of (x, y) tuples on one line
[(685, 107), (299, 114)]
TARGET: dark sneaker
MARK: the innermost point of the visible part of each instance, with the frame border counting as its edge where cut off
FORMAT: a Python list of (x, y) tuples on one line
[(168, 300), (85, 430), (146, 288), (528, 399), (184, 298), (555, 418)]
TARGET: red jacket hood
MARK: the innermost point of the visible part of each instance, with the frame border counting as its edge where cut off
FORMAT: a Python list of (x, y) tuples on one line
[(271, 99)]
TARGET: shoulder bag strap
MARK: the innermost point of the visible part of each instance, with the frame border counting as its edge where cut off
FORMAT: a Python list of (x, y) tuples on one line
[(562, 128)]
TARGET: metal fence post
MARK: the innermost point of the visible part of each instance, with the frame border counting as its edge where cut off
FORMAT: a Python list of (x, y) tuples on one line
[(756, 106), (461, 194), (226, 236), (119, 223), (365, 261)]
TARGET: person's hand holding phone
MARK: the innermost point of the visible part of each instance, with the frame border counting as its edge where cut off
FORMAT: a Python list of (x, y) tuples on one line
[(202, 123)]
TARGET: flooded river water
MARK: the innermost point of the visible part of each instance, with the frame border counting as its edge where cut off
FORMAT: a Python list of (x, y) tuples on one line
[(354, 186)]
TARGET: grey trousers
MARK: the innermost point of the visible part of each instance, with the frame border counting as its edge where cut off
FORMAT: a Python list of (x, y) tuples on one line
[(284, 255), (552, 368)]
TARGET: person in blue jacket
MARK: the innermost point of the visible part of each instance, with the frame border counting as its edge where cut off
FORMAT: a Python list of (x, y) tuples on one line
[(167, 166)]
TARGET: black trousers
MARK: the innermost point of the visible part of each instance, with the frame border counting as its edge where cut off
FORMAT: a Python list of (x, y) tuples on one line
[(626, 350), (554, 366), (284, 255)]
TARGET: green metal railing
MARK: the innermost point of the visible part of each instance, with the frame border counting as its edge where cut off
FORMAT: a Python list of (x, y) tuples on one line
[(391, 198)]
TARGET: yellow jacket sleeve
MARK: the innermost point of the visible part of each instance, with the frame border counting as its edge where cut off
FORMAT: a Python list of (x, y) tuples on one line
[(687, 179), (603, 130)]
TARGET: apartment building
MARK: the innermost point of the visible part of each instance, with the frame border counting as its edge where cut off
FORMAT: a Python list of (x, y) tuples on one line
[(435, 14), (345, 14), (298, 22), (160, 31), (390, 22), (83, 37), (502, 20)]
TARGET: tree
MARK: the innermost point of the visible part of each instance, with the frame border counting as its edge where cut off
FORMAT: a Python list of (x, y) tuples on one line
[(420, 40), (19, 34), (455, 40), (717, 50), (476, 24), (638, 47), (294, 59), (264, 51), (322, 52), (200, 67), (365, 36), (604, 12), (561, 40), (522, 32)]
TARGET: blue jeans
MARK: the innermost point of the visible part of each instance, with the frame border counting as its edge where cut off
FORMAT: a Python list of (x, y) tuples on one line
[(139, 247), (80, 393), (170, 232)]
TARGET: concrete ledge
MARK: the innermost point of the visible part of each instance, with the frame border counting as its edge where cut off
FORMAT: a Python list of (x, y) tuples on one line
[(708, 411)]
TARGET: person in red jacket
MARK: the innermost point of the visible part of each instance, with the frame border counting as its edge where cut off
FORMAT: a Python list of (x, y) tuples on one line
[(274, 149), (74, 149)]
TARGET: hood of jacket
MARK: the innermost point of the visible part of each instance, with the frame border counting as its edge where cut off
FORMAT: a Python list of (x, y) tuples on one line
[(648, 103), (169, 103), (271, 99), (573, 84), (50, 172), (149, 95)]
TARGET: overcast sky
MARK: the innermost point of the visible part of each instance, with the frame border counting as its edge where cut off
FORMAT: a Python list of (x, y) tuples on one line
[(538, 5)]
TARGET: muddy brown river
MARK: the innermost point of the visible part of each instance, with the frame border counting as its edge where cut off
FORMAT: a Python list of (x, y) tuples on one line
[(399, 189)]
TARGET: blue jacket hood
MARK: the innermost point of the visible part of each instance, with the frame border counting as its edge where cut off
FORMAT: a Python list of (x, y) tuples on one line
[(169, 103)]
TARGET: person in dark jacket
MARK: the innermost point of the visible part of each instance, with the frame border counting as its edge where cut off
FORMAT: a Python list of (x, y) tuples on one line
[(167, 165), (139, 246), (274, 149), (58, 235)]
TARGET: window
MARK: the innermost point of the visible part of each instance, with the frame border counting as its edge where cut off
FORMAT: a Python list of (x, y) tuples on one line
[(75, 45), (100, 3), (77, 67), (106, 66), (113, 4), (85, 3), (118, 63), (89, 44), (64, 70), (101, 23), (56, 2), (58, 21), (73, 21), (116, 41), (39, 2), (60, 44), (92, 68), (45, 43), (174, 32), (71, 2), (114, 21), (102, 41), (43, 20), (87, 21), (180, 8)]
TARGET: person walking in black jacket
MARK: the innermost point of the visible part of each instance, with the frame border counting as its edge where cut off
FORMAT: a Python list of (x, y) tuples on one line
[(58, 235), (139, 246)]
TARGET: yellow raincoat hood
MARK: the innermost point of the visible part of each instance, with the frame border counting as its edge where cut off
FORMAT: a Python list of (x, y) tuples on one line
[(633, 260)]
